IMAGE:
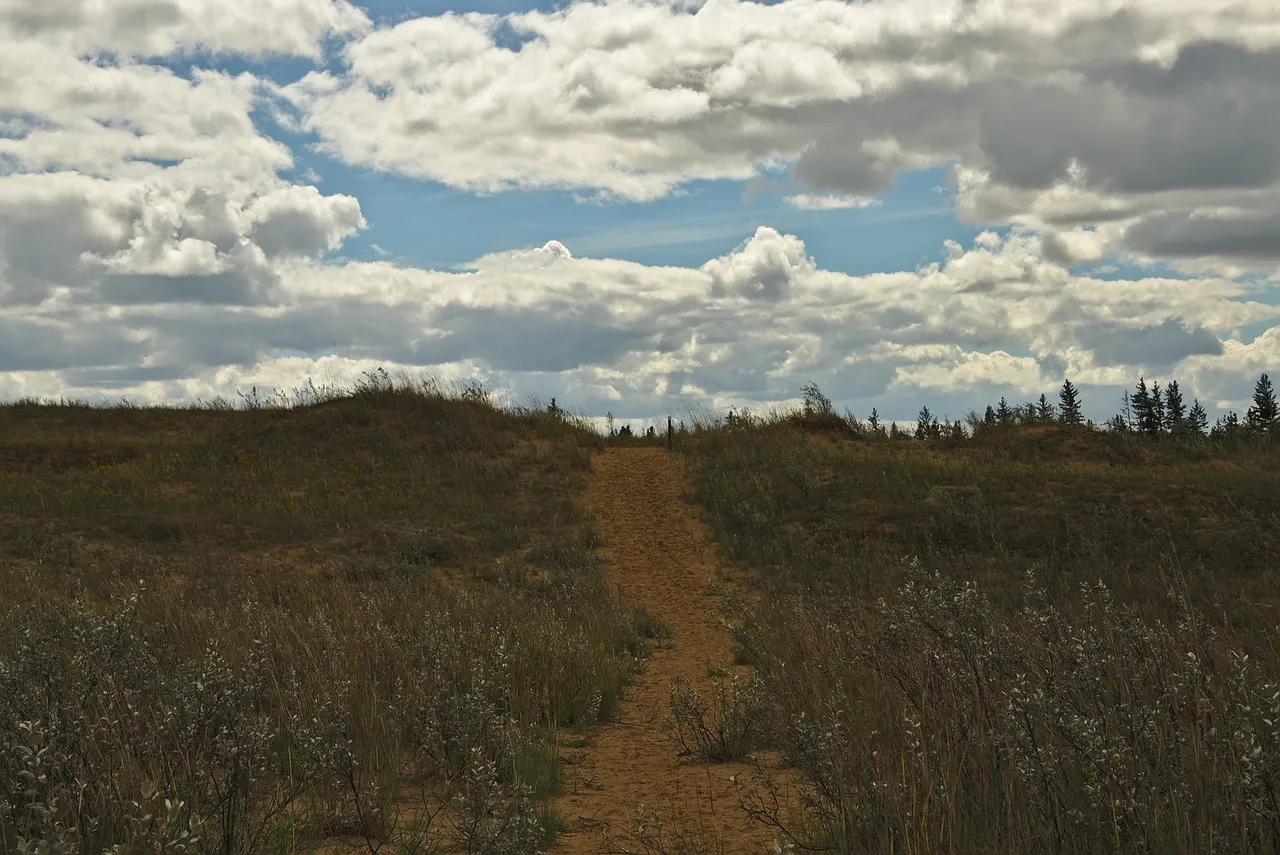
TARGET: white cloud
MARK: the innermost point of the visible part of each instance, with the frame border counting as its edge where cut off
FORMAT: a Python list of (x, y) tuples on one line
[(1055, 114), (122, 181), (829, 202), (764, 266), (749, 326), (161, 27), (150, 246), (949, 369), (297, 220)]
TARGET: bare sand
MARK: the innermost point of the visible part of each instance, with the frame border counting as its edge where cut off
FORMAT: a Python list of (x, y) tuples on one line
[(658, 550)]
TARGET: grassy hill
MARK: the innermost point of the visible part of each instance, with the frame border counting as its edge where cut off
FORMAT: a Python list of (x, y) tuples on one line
[(372, 618), (1037, 639), (378, 619)]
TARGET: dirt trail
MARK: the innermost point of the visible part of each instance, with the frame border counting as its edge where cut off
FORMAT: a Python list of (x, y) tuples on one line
[(654, 548)]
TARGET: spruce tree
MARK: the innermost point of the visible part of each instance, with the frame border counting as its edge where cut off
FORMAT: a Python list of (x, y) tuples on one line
[(1044, 412), (1264, 415), (873, 421), (989, 418), (1197, 419), (924, 424), (1157, 409), (1175, 411), (1144, 414), (1004, 413), (1228, 425), (1068, 404)]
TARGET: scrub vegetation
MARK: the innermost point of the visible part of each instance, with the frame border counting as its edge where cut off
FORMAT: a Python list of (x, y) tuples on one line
[(378, 620), (364, 618), (1023, 635)]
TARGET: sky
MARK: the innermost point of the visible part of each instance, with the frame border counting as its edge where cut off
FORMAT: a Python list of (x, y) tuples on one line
[(639, 207)]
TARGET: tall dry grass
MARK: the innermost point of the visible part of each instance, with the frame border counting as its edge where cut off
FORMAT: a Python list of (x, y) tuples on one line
[(365, 621), (1037, 641)]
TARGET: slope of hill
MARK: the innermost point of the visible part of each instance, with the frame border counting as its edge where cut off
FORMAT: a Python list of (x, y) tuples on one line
[(1039, 639), (368, 620)]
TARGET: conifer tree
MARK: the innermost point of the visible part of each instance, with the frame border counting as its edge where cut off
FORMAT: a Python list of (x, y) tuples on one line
[(1118, 424), (1175, 411), (1228, 425), (1264, 415), (1144, 414), (1004, 413), (1068, 404), (873, 421), (1044, 412), (1197, 419), (924, 424), (1157, 409), (989, 418)]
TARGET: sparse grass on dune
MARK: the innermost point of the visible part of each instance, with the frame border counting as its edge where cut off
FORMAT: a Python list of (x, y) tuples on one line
[(1037, 640), (361, 621), (1073, 506)]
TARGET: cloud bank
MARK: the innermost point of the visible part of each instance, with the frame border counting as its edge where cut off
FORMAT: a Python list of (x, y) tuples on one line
[(1163, 118), (155, 241)]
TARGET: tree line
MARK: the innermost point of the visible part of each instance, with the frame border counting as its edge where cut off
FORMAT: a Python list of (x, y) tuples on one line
[(1147, 410)]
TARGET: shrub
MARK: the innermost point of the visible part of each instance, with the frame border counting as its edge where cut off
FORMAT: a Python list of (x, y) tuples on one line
[(723, 728)]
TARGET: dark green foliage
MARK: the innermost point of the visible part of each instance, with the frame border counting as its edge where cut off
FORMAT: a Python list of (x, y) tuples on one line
[(1044, 410), (1004, 413), (1175, 411), (1145, 414), (926, 425), (1069, 404), (1264, 415), (1227, 426), (815, 403), (1157, 409), (1197, 419)]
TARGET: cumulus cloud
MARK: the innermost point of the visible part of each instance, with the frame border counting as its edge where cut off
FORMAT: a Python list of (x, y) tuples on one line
[(1053, 114), (948, 368), (161, 27), (991, 318), (829, 202), (123, 181), (151, 245), (299, 221), (763, 267)]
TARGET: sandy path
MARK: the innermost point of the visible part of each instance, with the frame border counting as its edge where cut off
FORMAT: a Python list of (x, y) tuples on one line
[(654, 548)]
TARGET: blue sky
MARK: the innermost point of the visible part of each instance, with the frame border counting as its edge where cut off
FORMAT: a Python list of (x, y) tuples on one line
[(790, 194)]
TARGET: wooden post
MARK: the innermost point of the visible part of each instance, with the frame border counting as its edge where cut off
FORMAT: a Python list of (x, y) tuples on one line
[(670, 435)]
